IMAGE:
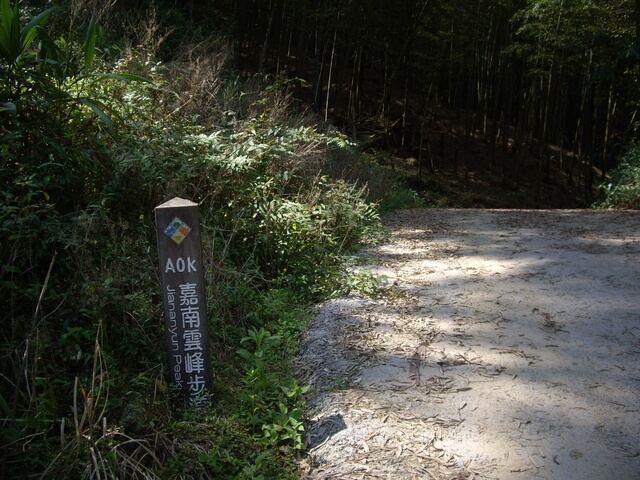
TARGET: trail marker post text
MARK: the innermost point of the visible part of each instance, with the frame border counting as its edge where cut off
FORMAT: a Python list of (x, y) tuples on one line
[(184, 299)]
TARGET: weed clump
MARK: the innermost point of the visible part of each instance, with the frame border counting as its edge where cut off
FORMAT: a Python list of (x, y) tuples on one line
[(622, 189)]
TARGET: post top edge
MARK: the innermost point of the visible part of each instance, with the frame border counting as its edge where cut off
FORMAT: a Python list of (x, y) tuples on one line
[(177, 202)]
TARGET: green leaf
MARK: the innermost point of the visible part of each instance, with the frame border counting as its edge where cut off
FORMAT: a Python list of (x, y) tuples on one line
[(244, 353), (30, 31), (90, 44), (9, 31), (9, 107), (52, 54), (14, 41), (99, 110)]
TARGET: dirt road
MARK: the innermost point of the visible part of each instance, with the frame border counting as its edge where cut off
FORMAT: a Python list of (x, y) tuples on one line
[(509, 349)]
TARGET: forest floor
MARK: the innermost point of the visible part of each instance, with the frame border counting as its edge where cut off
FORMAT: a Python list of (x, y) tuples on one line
[(506, 346)]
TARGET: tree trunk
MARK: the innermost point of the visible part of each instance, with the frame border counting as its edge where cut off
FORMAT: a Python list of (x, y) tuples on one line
[(267, 39), (333, 53)]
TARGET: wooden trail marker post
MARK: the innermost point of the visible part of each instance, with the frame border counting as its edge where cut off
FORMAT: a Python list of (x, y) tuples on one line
[(184, 299)]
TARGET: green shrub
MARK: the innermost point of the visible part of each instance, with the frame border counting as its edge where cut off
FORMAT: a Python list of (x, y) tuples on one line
[(622, 189)]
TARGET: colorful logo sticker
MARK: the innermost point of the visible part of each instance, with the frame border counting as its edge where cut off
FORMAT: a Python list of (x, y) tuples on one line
[(177, 230)]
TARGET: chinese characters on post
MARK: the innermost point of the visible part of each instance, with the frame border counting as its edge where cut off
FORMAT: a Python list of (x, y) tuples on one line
[(186, 323)]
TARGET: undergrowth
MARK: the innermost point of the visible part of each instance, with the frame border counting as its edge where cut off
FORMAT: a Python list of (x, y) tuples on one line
[(92, 139), (95, 132), (622, 188)]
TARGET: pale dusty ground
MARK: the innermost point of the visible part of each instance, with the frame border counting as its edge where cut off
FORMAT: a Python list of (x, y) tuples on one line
[(510, 350)]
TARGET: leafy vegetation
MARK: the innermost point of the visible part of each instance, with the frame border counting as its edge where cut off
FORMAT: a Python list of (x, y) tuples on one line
[(622, 190), (92, 139)]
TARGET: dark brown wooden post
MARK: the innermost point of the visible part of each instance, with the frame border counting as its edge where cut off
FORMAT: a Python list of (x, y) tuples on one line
[(183, 293)]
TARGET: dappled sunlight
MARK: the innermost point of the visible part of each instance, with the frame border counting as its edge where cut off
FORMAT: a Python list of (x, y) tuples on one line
[(509, 348)]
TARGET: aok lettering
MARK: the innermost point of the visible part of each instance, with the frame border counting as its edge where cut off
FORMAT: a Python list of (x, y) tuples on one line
[(180, 265)]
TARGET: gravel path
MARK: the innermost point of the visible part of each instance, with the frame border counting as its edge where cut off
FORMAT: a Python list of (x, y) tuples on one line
[(507, 346)]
